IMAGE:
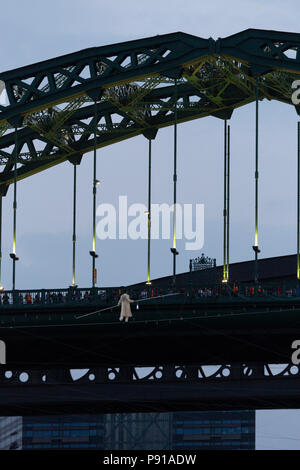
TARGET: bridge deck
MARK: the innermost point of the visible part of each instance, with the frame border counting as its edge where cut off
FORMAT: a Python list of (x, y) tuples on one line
[(177, 330)]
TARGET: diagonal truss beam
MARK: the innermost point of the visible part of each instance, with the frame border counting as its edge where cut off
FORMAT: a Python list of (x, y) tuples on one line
[(114, 124), (132, 83)]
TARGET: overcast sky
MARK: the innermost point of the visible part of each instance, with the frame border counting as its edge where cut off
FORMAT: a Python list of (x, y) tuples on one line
[(36, 30)]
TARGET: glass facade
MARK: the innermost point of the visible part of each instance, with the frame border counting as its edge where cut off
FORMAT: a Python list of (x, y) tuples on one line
[(233, 430), (11, 433), (63, 432), (204, 430), (214, 430), (138, 431)]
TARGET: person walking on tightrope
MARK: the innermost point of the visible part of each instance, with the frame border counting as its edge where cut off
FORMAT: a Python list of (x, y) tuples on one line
[(125, 302)]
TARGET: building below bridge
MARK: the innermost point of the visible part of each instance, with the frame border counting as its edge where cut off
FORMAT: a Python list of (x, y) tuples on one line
[(132, 431), (11, 432)]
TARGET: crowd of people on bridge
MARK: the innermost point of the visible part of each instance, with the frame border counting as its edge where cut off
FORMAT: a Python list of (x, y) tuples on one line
[(112, 295)]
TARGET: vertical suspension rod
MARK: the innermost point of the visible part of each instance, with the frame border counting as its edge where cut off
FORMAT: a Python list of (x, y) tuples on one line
[(255, 246), (149, 210), (225, 206), (174, 250), (228, 200), (14, 254), (0, 242), (94, 196), (298, 201), (74, 225)]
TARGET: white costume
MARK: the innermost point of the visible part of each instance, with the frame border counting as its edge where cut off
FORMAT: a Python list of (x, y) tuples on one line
[(125, 302)]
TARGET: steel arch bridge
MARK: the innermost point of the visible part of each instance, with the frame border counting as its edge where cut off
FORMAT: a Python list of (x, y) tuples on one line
[(61, 108), (126, 89)]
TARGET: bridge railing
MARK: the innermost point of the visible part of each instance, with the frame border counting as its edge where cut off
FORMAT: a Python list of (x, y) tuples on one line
[(245, 290), (59, 296), (110, 295)]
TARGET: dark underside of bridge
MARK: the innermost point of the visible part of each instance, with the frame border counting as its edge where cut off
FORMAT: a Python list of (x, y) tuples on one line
[(150, 396)]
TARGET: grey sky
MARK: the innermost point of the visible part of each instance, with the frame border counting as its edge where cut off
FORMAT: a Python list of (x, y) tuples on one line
[(37, 30)]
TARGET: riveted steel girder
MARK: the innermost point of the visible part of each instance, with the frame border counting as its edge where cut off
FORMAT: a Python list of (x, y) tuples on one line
[(51, 102)]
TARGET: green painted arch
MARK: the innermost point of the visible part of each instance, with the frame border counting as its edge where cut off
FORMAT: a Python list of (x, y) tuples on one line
[(133, 84)]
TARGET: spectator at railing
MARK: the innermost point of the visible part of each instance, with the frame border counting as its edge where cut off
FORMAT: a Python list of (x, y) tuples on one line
[(145, 293), (102, 295), (78, 296), (48, 297)]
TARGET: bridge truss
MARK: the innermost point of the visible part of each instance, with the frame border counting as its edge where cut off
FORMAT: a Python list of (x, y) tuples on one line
[(52, 103), (160, 389)]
